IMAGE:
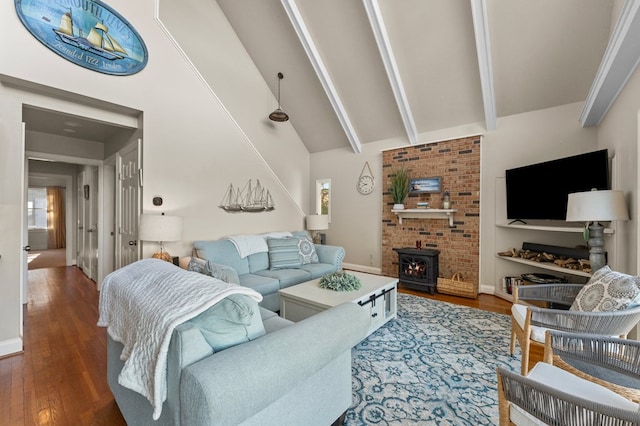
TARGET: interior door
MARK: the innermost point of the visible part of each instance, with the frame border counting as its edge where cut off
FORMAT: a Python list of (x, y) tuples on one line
[(92, 230), (128, 204), (80, 216), (24, 242)]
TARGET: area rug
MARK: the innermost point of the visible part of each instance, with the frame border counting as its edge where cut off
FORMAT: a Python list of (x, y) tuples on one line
[(435, 364)]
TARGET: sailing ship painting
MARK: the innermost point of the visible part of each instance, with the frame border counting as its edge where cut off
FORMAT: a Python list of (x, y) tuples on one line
[(249, 199), (88, 33), (97, 41)]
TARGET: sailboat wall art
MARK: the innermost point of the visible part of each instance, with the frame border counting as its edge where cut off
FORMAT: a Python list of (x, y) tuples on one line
[(88, 33), (252, 198)]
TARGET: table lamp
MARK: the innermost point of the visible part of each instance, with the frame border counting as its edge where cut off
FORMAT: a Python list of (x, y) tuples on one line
[(593, 207), (315, 223), (160, 228)]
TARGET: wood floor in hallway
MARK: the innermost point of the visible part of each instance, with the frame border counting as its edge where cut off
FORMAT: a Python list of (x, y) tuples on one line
[(60, 379)]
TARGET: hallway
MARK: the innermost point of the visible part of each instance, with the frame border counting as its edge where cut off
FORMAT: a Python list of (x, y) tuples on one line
[(51, 258)]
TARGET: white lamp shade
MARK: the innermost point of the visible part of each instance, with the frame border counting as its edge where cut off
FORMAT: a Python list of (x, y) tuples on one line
[(317, 222), (595, 206), (160, 228)]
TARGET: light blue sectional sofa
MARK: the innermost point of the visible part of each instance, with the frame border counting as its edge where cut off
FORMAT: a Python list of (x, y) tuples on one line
[(256, 271), (295, 374)]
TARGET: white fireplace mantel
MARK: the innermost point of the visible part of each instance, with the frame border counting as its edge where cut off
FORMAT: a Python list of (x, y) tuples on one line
[(425, 214)]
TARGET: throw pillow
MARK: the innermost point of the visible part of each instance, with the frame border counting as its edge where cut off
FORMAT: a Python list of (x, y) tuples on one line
[(608, 290), (215, 270), (283, 253), (307, 250), (233, 320)]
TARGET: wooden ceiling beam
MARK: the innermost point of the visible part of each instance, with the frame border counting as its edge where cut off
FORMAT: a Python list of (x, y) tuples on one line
[(291, 8), (618, 64)]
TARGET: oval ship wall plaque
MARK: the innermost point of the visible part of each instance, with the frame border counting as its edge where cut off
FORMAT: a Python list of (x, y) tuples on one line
[(86, 32)]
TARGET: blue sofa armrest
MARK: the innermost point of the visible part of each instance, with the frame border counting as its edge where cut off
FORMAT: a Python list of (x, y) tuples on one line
[(333, 255), (235, 384)]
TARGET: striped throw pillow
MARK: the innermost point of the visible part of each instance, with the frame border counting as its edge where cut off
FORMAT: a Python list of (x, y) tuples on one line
[(284, 253)]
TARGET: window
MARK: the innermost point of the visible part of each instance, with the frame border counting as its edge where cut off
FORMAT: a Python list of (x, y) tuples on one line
[(37, 208), (323, 197)]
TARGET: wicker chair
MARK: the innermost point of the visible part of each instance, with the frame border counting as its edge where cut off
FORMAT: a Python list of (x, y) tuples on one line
[(611, 362), (522, 400), (529, 323), (563, 394)]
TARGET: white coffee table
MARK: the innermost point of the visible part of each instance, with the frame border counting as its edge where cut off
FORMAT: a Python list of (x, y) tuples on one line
[(378, 295)]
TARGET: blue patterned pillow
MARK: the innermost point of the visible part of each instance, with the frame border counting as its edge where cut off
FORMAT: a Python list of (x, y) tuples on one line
[(608, 290), (307, 250), (284, 253)]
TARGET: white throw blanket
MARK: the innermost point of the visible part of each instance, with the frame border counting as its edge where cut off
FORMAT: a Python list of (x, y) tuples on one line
[(141, 304), (251, 244)]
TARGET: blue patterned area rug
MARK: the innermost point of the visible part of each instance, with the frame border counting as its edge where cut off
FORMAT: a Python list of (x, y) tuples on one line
[(435, 364)]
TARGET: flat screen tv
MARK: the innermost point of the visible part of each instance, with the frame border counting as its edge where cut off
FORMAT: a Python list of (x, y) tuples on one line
[(540, 191), (428, 185)]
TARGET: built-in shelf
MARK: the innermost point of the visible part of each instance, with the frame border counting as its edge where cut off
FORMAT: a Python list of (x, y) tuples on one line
[(546, 265), (425, 214), (551, 228)]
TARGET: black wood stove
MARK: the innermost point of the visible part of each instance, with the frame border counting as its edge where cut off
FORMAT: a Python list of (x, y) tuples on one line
[(418, 268)]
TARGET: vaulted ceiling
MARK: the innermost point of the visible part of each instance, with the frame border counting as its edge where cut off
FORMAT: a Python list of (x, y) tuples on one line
[(359, 71)]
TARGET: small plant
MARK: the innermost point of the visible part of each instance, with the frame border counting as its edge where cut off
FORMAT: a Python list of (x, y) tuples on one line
[(340, 281), (399, 185)]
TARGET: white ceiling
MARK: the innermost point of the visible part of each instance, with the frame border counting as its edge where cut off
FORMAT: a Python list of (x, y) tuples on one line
[(542, 54), (71, 126), (341, 91)]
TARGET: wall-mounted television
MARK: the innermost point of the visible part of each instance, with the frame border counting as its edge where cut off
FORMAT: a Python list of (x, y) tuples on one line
[(428, 185), (540, 191)]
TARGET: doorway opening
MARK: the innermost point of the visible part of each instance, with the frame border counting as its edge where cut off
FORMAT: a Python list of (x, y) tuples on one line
[(83, 151)]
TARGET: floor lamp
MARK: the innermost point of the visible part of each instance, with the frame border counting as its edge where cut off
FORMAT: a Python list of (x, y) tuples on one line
[(592, 207), (160, 228)]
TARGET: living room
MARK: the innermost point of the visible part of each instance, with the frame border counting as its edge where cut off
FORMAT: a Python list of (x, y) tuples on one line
[(207, 127)]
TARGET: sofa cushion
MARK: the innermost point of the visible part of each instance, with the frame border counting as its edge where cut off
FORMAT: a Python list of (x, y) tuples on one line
[(283, 253), (272, 321), (318, 269), (215, 270), (258, 262), (286, 277), (235, 319), (222, 251), (608, 290), (263, 285)]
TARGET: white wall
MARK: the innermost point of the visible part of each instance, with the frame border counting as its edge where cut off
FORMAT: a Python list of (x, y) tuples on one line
[(619, 132), (519, 139), (192, 148)]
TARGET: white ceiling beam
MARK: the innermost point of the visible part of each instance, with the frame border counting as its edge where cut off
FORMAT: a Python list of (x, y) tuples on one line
[(483, 48), (318, 65), (618, 63), (384, 46)]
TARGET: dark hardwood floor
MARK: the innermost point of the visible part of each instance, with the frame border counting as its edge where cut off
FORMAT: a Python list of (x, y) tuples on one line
[(60, 379)]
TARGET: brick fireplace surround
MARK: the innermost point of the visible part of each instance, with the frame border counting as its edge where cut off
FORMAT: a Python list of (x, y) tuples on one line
[(457, 161)]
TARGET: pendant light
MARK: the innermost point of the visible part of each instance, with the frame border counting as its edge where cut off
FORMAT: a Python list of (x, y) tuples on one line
[(279, 115)]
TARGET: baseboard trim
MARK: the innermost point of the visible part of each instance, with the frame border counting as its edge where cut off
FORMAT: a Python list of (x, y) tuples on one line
[(362, 268), (10, 347)]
